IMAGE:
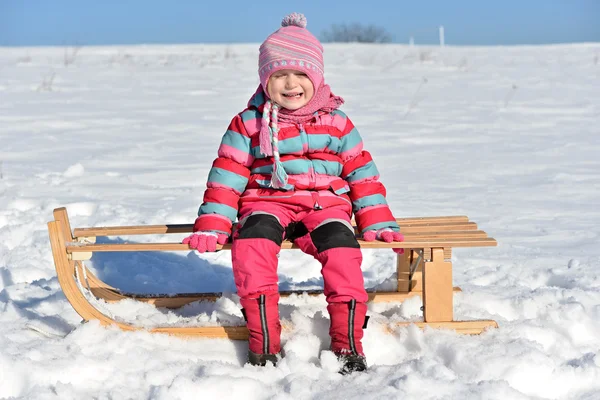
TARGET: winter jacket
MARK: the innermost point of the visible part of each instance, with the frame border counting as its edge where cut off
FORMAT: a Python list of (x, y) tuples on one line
[(324, 160)]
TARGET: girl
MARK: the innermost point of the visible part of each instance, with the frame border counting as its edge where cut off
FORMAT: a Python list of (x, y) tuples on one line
[(292, 165)]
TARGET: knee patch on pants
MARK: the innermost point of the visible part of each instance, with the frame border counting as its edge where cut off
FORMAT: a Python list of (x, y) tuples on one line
[(262, 226), (332, 235)]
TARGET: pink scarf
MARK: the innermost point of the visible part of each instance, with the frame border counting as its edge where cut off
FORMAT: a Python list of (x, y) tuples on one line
[(323, 100)]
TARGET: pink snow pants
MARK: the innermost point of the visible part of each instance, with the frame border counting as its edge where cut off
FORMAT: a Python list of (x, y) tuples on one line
[(326, 234)]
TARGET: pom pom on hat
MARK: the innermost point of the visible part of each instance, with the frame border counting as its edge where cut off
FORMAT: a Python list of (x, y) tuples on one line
[(294, 19)]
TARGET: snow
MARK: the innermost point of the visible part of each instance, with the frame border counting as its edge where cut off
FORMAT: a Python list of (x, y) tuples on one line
[(126, 135)]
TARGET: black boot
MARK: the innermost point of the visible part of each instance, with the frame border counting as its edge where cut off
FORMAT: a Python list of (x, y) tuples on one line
[(352, 363), (261, 359)]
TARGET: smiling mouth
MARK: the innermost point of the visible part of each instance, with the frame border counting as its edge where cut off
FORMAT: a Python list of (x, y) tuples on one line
[(292, 95)]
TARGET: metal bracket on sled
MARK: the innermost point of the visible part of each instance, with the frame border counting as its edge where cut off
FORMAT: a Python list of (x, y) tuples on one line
[(415, 264)]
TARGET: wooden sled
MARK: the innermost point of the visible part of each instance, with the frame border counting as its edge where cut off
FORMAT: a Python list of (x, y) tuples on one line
[(423, 270)]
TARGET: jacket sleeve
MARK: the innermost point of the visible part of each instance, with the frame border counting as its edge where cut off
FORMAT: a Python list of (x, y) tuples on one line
[(370, 207), (227, 180)]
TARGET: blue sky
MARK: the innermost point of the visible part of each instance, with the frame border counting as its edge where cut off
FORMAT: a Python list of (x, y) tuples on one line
[(482, 22)]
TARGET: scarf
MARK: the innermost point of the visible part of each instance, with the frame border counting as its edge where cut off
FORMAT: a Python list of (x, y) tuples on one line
[(323, 100)]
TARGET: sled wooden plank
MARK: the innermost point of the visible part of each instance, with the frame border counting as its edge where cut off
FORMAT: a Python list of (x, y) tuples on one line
[(437, 288), (441, 227), (407, 244), (463, 327), (179, 300), (165, 229), (65, 272), (60, 214), (426, 220), (427, 234), (210, 332), (413, 223), (133, 230), (447, 234), (240, 332), (404, 276)]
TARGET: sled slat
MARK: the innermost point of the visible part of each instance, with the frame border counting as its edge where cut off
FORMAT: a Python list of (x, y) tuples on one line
[(464, 327), (424, 223), (181, 299), (241, 332), (133, 230), (407, 244)]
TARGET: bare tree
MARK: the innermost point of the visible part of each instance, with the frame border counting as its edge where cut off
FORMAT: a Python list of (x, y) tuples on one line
[(356, 32), (47, 82), (71, 55)]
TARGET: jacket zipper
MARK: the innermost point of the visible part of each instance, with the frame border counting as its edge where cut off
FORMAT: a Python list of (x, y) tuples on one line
[(315, 198), (303, 135)]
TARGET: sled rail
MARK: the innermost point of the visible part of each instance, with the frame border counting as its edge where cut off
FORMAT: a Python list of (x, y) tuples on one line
[(449, 223), (409, 243), (425, 270)]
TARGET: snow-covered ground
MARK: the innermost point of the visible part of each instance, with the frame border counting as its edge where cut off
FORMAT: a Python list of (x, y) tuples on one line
[(126, 135)]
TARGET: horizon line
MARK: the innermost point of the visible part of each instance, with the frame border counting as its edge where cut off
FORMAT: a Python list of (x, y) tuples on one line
[(79, 45)]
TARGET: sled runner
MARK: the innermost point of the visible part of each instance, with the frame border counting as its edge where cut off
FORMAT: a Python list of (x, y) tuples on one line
[(423, 270)]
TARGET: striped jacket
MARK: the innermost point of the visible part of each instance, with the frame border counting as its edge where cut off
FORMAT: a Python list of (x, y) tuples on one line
[(324, 160)]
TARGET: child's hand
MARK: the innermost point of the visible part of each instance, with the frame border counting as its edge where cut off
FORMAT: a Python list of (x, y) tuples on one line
[(205, 241), (387, 235)]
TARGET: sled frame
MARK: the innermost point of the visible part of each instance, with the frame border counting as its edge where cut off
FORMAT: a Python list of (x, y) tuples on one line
[(425, 270)]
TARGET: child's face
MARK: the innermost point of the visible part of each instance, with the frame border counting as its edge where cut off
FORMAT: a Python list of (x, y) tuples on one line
[(290, 89)]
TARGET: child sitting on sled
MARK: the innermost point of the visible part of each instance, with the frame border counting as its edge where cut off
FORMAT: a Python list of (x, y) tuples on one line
[(292, 165)]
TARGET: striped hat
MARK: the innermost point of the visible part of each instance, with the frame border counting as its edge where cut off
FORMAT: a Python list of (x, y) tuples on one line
[(291, 47)]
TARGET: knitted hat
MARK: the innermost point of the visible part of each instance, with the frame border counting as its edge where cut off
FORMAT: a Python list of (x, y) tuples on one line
[(291, 47)]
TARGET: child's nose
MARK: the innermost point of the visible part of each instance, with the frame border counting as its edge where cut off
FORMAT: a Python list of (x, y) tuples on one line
[(290, 81)]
